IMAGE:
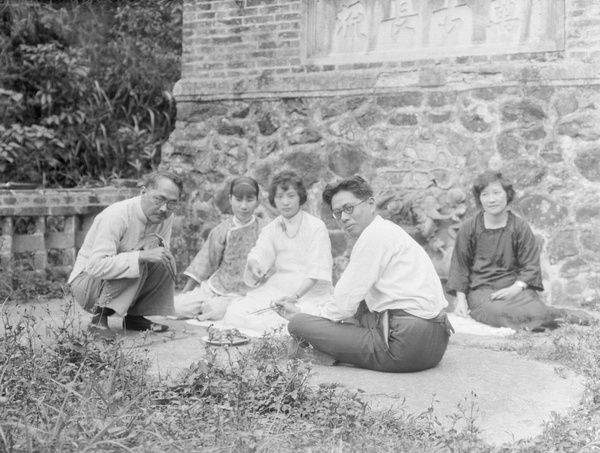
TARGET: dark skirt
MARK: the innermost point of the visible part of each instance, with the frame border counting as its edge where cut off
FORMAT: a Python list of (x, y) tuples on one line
[(524, 311)]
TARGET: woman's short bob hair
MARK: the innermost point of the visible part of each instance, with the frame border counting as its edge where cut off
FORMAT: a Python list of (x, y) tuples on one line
[(488, 177), (355, 184), (287, 180)]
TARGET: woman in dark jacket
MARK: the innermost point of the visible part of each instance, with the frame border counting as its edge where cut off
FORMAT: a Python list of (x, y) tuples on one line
[(495, 270)]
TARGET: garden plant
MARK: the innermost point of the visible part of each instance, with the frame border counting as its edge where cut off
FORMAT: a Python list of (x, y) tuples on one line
[(62, 391), (85, 88), (85, 96)]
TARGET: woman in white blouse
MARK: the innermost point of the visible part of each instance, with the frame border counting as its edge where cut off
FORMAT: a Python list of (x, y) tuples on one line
[(291, 260)]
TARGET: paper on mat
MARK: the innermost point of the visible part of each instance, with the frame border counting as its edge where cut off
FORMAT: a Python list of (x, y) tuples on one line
[(470, 326)]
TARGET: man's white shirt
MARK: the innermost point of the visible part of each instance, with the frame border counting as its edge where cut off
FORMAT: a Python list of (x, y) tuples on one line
[(389, 270)]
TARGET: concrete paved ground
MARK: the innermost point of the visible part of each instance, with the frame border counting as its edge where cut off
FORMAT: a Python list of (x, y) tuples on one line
[(512, 395)]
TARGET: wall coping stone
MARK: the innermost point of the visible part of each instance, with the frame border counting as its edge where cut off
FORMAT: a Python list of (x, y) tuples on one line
[(375, 81), (60, 202)]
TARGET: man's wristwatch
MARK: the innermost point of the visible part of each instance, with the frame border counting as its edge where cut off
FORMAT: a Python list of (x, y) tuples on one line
[(521, 284)]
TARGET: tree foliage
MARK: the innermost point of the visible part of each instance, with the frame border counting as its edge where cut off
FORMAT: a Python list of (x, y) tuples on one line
[(85, 88)]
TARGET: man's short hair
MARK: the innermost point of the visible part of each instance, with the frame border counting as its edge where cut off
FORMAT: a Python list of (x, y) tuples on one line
[(153, 179), (287, 179), (488, 177), (355, 184)]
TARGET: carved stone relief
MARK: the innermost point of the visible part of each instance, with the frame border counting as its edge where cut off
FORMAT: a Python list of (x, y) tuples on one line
[(363, 30)]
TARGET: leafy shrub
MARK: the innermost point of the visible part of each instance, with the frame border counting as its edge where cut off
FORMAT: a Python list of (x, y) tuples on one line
[(85, 89), (60, 391)]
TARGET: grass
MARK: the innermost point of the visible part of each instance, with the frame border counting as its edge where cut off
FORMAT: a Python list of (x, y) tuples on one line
[(60, 391)]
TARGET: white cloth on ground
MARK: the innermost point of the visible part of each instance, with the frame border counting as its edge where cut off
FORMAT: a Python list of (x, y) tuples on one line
[(470, 326)]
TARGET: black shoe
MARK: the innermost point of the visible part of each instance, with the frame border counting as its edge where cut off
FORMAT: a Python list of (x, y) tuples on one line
[(101, 315), (99, 325), (132, 322)]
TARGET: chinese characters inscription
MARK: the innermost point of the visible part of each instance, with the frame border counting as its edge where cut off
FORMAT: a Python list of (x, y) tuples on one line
[(404, 29)]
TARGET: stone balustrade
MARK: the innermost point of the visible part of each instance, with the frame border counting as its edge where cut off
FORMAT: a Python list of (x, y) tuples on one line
[(42, 230)]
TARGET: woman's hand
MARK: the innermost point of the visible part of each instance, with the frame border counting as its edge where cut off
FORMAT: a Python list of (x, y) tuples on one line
[(255, 270), (507, 293), (285, 309), (289, 299), (462, 307)]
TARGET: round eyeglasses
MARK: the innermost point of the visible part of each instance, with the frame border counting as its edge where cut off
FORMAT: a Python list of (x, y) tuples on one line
[(347, 208), (160, 202)]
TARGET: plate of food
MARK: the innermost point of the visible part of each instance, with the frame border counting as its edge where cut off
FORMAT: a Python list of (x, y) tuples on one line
[(225, 337)]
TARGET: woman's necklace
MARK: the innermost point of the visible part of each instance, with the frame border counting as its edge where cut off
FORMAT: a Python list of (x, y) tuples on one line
[(284, 228)]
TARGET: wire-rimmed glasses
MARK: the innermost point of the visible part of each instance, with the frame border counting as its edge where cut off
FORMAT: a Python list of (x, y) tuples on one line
[(347, 208)]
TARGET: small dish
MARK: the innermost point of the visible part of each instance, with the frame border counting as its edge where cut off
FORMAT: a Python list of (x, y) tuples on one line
[(225, 341)]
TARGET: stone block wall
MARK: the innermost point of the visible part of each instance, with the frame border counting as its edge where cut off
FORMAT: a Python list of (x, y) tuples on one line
[(42, 230), (420, 129)]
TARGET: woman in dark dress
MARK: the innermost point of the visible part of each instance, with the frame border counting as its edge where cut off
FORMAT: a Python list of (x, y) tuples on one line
[(495, 270)]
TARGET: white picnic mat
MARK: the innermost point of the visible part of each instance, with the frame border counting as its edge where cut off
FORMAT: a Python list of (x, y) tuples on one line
[(470, 326), (460, 324)]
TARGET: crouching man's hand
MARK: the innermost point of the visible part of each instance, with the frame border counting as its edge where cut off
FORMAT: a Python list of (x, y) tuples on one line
[(285, 309)]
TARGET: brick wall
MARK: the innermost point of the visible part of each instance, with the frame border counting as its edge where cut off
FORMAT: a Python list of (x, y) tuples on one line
[(255, 48), (231, 38)]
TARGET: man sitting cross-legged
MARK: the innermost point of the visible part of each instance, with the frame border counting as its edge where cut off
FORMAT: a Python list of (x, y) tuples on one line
[(401, 326), (124, 265)]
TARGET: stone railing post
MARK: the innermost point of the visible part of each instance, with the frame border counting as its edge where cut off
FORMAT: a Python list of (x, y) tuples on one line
[(6, 240)]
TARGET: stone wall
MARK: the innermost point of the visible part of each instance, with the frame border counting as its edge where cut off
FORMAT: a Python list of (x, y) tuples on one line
[(253, 100)]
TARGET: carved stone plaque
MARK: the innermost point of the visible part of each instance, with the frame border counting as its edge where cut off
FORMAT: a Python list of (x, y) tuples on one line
[(374, 30)]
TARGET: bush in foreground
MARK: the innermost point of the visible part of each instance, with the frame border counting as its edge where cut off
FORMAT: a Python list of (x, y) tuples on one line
[(61, 391)]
